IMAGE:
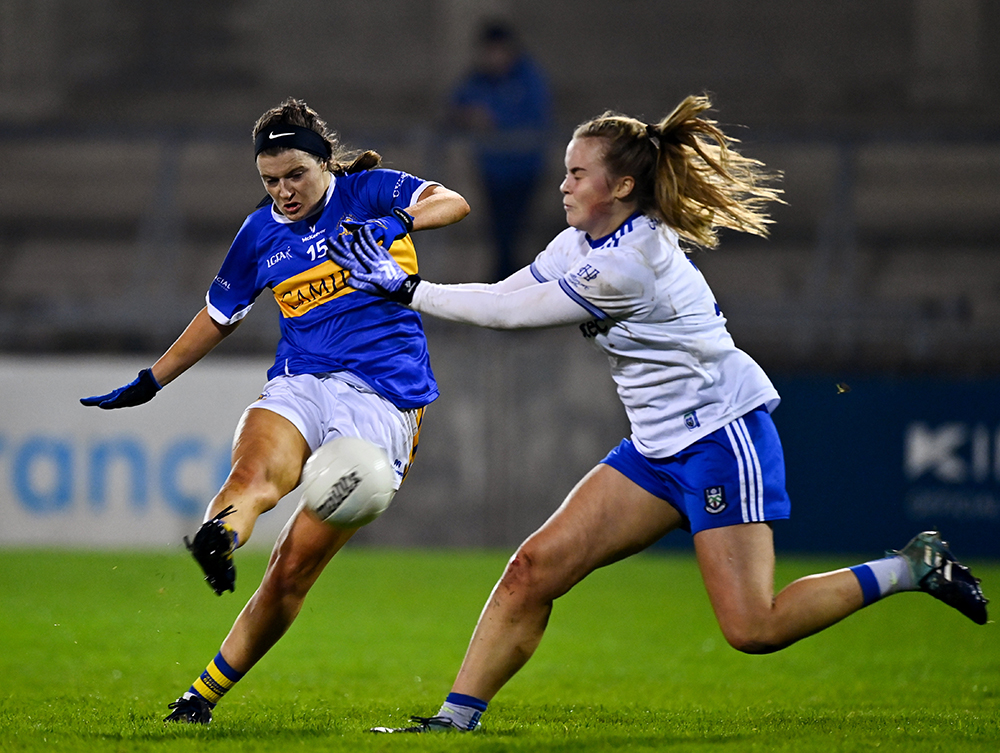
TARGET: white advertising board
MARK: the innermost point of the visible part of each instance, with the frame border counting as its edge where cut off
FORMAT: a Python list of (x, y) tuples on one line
[(136, 477)]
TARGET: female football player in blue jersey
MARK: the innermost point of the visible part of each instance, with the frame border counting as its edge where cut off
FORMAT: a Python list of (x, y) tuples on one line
[(347, 364), (703, 454)]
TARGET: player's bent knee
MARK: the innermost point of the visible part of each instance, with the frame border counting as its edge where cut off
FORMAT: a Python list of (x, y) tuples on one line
[(519, 573), (532, 575), (251, 483), (751, 639), (753, 646)]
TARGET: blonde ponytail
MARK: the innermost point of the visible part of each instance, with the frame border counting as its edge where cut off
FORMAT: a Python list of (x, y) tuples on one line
[(686, 173)]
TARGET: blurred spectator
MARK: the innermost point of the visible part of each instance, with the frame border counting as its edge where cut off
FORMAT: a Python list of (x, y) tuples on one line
[(504, 104)]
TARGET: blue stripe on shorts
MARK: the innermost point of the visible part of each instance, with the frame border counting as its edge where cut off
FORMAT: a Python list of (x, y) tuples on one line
[(734, 475)]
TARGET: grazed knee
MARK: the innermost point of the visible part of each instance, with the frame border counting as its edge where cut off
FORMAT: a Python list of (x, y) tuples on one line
[(530, 577)]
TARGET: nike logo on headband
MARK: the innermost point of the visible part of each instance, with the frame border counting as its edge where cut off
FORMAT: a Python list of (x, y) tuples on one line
[(279, 135)]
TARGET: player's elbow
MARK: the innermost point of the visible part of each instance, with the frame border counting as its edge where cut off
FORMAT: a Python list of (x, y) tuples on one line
[(457, 207)]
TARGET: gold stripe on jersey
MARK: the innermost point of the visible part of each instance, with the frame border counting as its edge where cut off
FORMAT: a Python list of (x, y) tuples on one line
[(302, 293), (418, 419)]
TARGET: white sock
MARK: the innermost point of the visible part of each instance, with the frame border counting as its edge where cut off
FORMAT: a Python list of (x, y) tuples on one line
[(463, 710), (882, 577), (893, 574)]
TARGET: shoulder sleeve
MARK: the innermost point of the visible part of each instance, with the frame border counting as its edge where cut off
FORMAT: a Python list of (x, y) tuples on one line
[(614, 284), (379, 191), (556, 260), (233, 291)]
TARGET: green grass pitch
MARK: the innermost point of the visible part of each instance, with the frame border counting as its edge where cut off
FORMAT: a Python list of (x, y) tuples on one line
[(94, 645)]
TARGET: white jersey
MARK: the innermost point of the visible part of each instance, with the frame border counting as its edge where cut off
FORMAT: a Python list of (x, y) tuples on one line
[(678, 372)]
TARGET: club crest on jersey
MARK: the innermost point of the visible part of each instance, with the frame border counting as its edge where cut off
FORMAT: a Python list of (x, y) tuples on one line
[(587, 272), (691, 420), (715, 499)]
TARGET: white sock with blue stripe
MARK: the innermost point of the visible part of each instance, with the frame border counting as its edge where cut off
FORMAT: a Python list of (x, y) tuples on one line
[(882, 577), (463, 710)]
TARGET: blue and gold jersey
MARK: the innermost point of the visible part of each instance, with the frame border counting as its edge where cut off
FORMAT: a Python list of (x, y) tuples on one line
[(326, 325)]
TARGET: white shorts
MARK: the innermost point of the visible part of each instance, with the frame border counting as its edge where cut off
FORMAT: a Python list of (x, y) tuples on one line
[(325, 406)]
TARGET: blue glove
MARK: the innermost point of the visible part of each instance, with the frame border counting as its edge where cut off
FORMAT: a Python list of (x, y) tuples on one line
[(372, 267), (386, 230), (140, 390)]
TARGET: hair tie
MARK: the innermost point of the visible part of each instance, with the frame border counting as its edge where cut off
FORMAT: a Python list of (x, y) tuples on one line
[(659, 138), (653, 134)]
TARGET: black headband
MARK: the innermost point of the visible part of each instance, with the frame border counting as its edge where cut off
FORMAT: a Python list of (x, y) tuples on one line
[(287, 136)]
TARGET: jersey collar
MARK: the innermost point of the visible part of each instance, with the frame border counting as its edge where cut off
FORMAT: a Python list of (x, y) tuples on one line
[(618, 231)]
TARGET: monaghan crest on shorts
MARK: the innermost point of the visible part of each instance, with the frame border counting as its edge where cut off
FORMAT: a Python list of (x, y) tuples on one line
[(715, 499)]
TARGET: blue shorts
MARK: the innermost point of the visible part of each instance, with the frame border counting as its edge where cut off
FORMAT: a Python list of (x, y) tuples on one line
[(734, 475)]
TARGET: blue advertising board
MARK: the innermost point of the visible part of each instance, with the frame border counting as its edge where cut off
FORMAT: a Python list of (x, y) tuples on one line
[(872, 461)]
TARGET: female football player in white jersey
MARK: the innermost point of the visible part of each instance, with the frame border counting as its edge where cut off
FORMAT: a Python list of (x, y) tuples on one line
[(703, 454), (344, 366)]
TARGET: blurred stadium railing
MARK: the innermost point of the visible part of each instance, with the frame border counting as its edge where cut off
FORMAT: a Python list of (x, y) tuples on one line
[(886, 256)]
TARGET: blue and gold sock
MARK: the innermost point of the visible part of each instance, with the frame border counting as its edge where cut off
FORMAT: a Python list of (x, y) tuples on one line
[(215, 681)]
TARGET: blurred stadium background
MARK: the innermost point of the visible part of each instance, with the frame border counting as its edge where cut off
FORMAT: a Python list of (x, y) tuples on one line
[(126, 168)]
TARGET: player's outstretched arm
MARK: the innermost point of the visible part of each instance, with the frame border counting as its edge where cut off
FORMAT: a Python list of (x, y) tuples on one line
[(541, 305), (374, 271), (195, 342), (140, 390), (200, 337)]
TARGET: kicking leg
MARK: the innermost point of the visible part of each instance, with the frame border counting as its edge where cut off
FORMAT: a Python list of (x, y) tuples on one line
[(268, 456)]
